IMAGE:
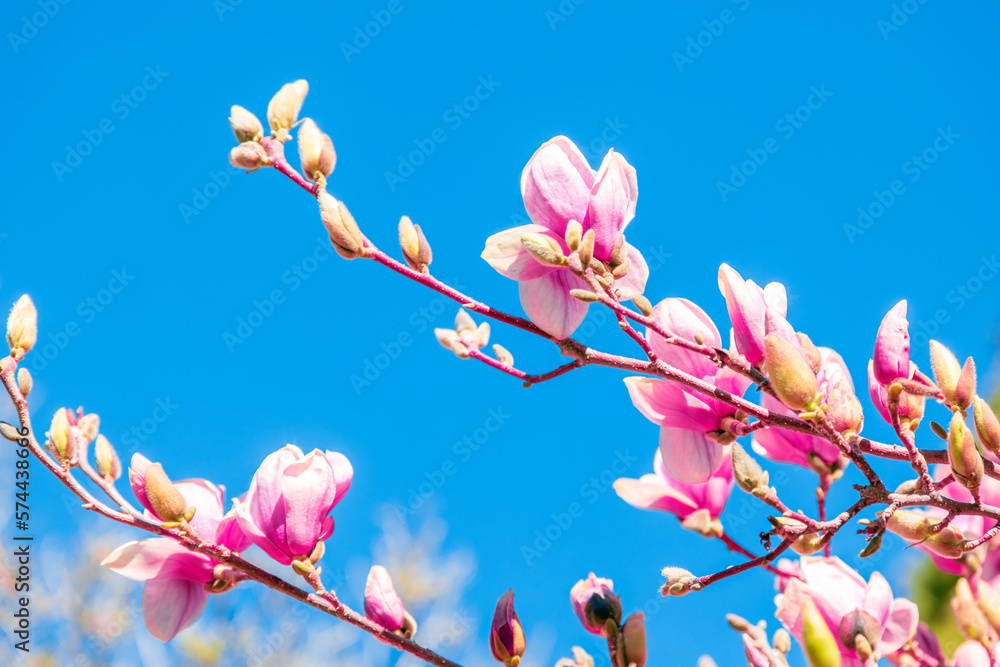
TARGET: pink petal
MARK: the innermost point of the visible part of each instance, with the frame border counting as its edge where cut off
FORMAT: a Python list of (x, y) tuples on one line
[(208, 499), (612, 202), (343, 473), (892, 346), (669, 405), (229, 534), (776, 298), (556, 185), (689, 456), (650, 493), (745, 303), (505, 253), (684, 319), (972, 654), (170, 606), (878, 598), (900, 625), (547, 303), (159, 558), (308, 490), (256, 535), (634, 282), (382, 603), (755, 657), (880, 399)]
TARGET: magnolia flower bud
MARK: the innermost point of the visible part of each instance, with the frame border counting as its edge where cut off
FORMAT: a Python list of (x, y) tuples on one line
[(503, 355), (283, 109), (22, 327), (633, 641), (679, 582), (464, 321), (587, 247), (643, 304), (416, 249), (747, 472), (543, 249), (382, 603), (949, 543), (859, 623), (810, 352), (249, 155), (817, 639), (946, 370), (793, 380), (109, 466), (782, 641), (844, 409), (909, 525), (966, 462), (89, 425), (315, 151), (10, 432), (965, 390), (24, 381), (245, 125), (970, 618), (987, 425), (574, 232), (583, 295), (166, 501), (62, 441), (989, 602), (602, 607), (483, 334), (808, 544), (506, 635), (340, 225)]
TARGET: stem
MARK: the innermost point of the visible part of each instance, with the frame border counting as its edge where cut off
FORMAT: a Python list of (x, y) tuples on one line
[(742, 567)]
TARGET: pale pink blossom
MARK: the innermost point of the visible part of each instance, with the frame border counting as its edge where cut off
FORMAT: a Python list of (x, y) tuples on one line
[(286, 510), (382, 603), (791, 446), (891, 359), (607, 604), (689, 421), (973, 654), (837, 590), (698, 506), (175, 591), (558, 185), (747, 304)]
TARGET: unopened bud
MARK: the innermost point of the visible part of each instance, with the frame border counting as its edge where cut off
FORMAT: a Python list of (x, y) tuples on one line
[(109, 466), (946, 370), (315, 151), (22, 327), (61, 442), (844, 409), (587, 247), (574, 232), (621, 270), (447, 337), (24, 381), (909, 525), (679, 582), (634, 640), (583, 295), (989, 602), (543, 249), (791, 377), (965, 390), (464, 321), (873, 546), (817, 639), (413, 243), (10, 432), (506, 634), (643, 304), (618, 255), (859, 623), (166, 501), (283, 109), (602, 606), (970, 618), (748, 473), (503, 355), (782, 641), (483, 334), (344, 232), (863, 648), (89, 425), (948, 543), (987, 425), (966, 462), (808, 544), (249, 155), (245, 125), (810, 352)]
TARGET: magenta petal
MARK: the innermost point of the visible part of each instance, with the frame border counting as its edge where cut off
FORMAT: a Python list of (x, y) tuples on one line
[(230, 535), (745, 303), (892, 346), (505, 253), (649, 492), (880, 399), (971, 654), (208, 500), (137, 479), (689, 456), (556, 185), (755, 657), (170, 606), (634, 282), (900, 625), (257, 536), (612, 203), (159, 558), (382, 603), (547, 303)]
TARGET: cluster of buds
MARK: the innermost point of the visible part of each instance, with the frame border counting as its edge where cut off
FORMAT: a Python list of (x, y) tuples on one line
[(22, 327), (600, 612), (758, 650), (157, 493), (467, 336), (383, 605), (679, 582), (69, 435), (506, 634), (977, 611), (581, 246), (897, 388), (957, 383)]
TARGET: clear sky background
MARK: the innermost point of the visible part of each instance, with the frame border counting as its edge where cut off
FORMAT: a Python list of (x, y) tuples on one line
[(143, 249)]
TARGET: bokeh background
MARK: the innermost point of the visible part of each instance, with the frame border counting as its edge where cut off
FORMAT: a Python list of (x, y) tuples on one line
[(144, 251)]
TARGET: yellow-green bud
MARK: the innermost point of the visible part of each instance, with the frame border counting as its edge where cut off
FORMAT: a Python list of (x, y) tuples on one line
[(966, 462), (817, 639), (164, 498), (791, 377), (946, 370), (965, 390), (748, 473), (109, 465), (22, 327), (543, 249), (987, 425)]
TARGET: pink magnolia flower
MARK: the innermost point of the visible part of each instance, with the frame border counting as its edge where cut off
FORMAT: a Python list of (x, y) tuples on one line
[(506, 634), (838, 591), (698, 506), (285, 511), (599, 593), (973, 654), (558, 185), (747, 304), (793, 447), (176, 579), (686, 418), (892, 346), (382, 603), (911, 407)]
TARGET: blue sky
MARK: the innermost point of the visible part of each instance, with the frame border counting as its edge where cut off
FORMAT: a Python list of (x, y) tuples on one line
[(850, 154)]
